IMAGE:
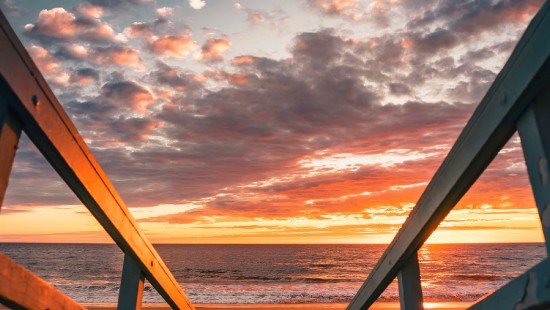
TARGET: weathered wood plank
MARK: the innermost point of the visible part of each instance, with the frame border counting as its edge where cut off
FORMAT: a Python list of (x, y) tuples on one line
[(410, 288), (131, 285), (10, 131), (534, 131), (20, 288), (523, 77), (51, 130), (528, 291)]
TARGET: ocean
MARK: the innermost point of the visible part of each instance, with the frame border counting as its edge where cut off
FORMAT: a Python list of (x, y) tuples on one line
[(272, 274)]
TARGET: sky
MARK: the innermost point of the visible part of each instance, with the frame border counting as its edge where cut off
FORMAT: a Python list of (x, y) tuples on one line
[(306, 121)]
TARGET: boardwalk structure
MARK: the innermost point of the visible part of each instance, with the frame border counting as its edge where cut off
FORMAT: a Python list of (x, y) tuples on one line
[(518, 100)]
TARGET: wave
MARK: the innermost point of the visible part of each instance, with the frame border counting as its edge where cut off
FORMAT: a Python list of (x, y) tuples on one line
[(479, 277)]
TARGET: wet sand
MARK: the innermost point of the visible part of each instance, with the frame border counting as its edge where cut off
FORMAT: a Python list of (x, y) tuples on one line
[(328, 306)]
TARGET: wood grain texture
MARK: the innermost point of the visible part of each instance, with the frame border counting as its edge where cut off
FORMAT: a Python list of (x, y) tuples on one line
[(53, 133), (20, 288)]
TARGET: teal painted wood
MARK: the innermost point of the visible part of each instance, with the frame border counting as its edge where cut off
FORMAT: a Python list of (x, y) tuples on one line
[(534, 131), (528, 291), (410, 288), (131, 285), (524, 76), (10, 131), (50, 129)]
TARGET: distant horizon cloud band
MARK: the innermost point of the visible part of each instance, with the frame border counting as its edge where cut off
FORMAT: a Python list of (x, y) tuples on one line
[(311, 121)]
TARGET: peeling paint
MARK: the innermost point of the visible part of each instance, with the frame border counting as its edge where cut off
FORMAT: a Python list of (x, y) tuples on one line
[(543, 171), (530, 293), (545, 216)]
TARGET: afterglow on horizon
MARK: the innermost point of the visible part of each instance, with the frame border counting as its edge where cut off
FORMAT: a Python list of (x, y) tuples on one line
[(309, 121)]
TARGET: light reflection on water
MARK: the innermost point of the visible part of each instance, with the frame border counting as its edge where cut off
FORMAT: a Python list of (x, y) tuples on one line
[(277, 273)]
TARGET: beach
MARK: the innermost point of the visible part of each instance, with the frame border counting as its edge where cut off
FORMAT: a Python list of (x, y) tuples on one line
[(312, 306), (277, 276)]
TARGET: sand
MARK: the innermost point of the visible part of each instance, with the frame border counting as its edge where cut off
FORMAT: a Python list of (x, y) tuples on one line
[(328, 306)]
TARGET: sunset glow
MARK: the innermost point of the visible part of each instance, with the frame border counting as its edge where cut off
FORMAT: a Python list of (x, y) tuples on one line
[(311, 121)]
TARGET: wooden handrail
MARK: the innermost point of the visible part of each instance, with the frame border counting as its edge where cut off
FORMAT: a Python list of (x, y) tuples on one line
[(525, 75), (31, 101)]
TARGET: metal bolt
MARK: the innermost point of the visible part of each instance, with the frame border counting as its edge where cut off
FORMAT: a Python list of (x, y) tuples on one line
[(35, 101)]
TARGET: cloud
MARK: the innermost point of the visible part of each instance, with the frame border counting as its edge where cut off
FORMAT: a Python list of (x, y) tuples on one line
[(43, 59), (116, 3), (118, 55), (339, 127), (213, 49), (128, 93), (90, 11), (172, 45), (351, 9), (84, 76), (463, 21), (9, 7), (59, 24), (197, 4)]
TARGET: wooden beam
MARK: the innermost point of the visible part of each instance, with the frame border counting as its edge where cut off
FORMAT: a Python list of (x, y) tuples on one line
[(10, 131), (50, 129), (20, 288), (528, 291), (131, 285), (534, 131), (410, 288), (523, 77)]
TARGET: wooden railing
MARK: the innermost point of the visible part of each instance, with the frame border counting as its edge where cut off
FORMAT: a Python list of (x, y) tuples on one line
[(519, 99), (27, 104)]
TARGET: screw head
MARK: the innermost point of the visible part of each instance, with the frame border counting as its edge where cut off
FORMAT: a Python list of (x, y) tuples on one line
[(35, 101)]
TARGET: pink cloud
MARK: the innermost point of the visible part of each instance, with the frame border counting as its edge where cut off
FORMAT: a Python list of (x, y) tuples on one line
[(129, 93), (46, 63), (90, 11), (351, 9), (55, 22), (242, 60), (175, 46), (61, 24), (213, 49), (118, 55)]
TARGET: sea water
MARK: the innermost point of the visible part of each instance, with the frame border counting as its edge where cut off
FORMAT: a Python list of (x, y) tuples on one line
[(276, 273)]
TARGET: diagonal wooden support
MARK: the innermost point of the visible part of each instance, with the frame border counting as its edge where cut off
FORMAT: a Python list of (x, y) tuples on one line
[(50, 129), (21, 289), (10, 131), (131, 285), (410, 289), (534, 131)]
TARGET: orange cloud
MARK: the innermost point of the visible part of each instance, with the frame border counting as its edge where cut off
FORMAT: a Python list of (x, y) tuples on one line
[(213, 49), (238, 78), (406, 43), (242, 60), (118, 55), (175, 46)]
